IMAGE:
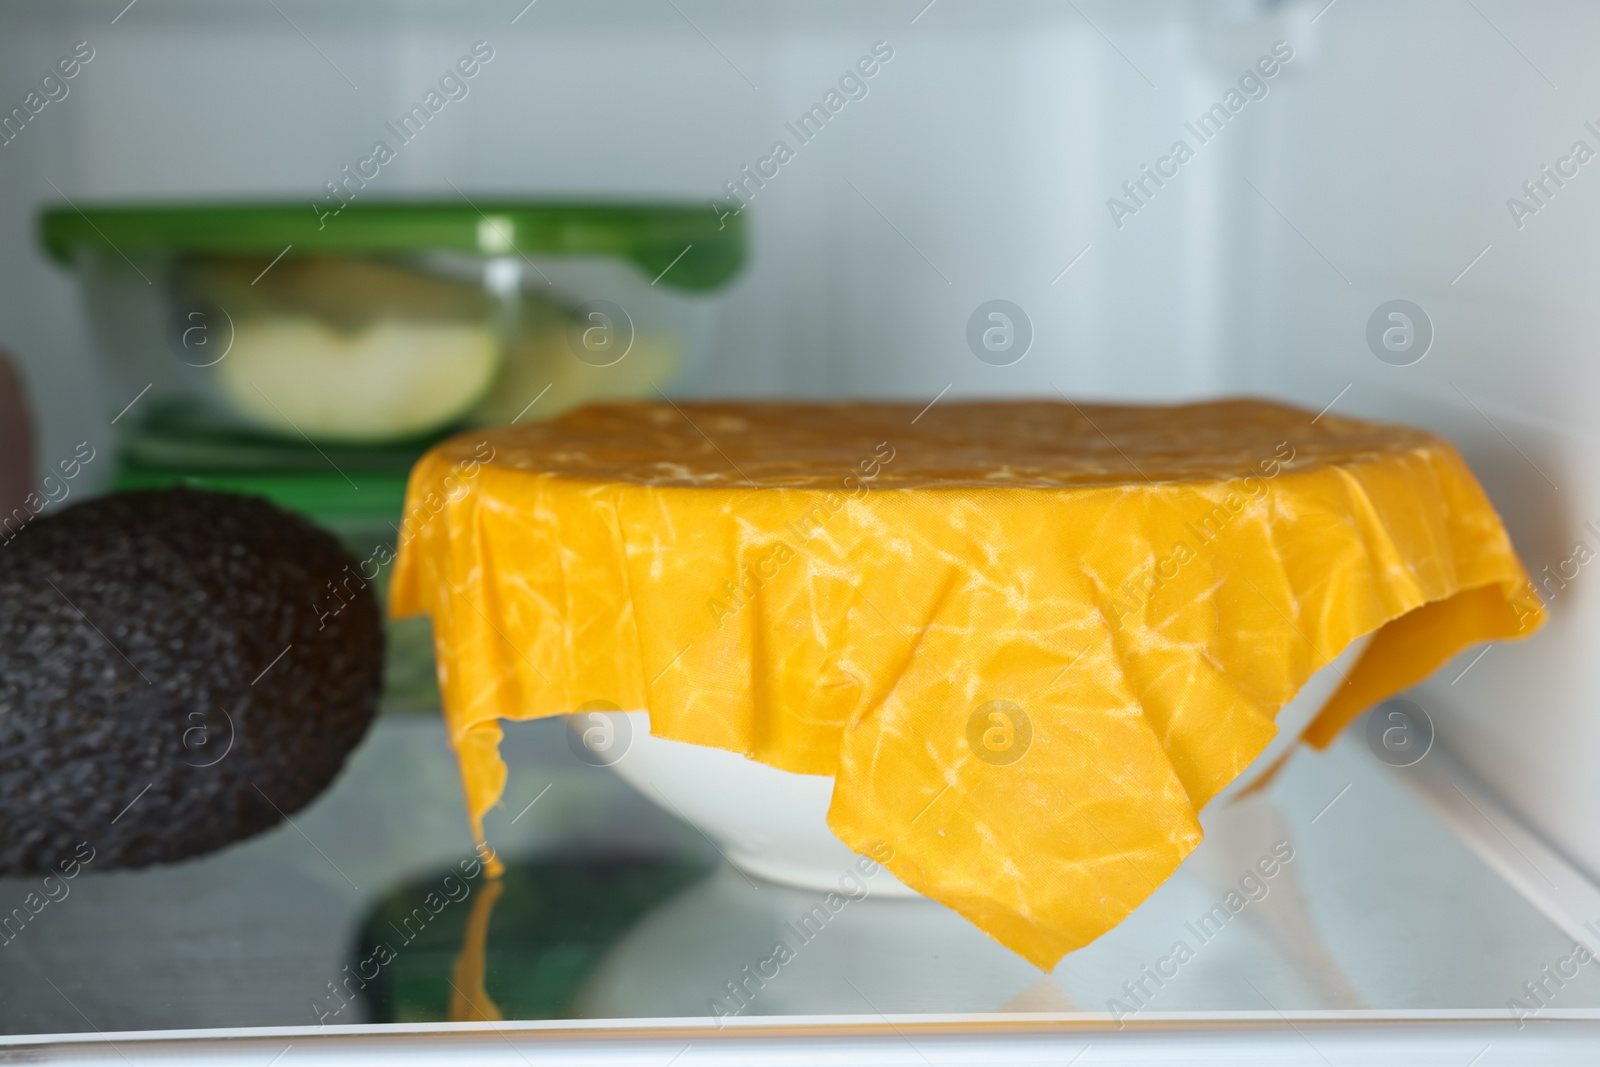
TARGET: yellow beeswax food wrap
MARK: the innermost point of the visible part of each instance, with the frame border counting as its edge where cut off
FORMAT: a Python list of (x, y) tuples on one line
[(857, 591)]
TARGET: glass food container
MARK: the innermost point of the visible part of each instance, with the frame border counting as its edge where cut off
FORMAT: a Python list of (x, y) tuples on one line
[(259, 349), (272, 337)]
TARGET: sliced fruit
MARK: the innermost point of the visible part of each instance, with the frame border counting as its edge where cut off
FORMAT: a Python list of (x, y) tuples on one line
[(391, 379)]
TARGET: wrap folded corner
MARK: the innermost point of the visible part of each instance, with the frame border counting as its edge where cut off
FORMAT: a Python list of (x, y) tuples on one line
[(1029, 641)]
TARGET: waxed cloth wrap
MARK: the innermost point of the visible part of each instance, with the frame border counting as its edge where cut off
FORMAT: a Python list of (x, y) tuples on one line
[(841, 589)]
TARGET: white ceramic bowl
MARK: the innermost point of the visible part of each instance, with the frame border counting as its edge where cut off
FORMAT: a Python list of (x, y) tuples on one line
[(770, 823), (773, 824)]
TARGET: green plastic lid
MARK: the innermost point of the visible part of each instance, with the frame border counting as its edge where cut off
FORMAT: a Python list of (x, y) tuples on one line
[(684, 246), (331, 499)]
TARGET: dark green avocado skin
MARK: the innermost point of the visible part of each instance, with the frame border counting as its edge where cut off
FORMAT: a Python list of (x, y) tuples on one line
[(134, 712)]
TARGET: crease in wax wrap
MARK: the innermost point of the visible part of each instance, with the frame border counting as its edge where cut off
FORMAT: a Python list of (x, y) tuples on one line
[(840, 589)]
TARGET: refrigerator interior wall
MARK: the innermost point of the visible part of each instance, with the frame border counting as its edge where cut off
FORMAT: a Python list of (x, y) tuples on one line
[(1392, 174)]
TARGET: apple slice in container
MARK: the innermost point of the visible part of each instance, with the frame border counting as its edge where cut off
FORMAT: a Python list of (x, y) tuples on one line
[(349, 350), (390, 379)]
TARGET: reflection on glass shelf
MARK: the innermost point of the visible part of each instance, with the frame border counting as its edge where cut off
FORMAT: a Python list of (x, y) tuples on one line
[(1333, 890), (448, 947)]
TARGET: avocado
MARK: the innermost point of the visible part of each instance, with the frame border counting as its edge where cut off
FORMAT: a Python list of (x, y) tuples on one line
[(179, 670)]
